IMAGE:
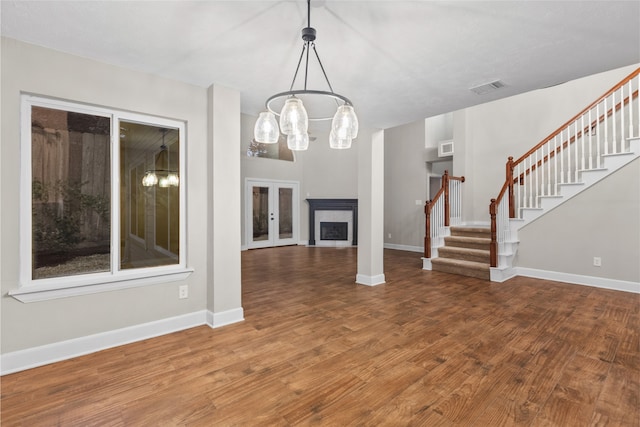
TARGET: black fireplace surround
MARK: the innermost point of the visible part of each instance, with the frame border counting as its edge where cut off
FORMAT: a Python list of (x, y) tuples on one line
[(332, 205)]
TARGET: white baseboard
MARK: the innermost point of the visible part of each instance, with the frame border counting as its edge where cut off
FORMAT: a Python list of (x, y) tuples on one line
[(223, 318), (426, 264), (362, 279), (43, 355), (577, 279), (407, 248)]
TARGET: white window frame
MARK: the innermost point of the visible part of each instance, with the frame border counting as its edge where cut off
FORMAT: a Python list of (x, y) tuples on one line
[(57, 287)]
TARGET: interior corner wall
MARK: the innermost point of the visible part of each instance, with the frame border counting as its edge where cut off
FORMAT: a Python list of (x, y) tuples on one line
[(405, 186), (37, 70), (486, 134), (602, 221)]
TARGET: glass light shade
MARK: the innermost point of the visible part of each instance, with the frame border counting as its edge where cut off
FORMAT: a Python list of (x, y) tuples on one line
[(266, 129), (339, 143), (149, 179), (163, 182), (173, 180), (298, 142), (345, 122), (293, 117)]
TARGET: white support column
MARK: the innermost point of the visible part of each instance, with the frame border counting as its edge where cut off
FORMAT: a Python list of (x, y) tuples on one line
[(371, 210), (224, 298)]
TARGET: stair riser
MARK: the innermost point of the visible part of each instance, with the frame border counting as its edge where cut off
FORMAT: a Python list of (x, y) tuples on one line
[(485, 275), (464, 233), (468, 245), (444, 253)]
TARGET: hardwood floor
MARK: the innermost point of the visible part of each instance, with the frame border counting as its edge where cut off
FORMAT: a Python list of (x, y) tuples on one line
[(426, 348)]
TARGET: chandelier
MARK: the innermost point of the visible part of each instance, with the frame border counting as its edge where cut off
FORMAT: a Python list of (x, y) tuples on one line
[(293, 118), (161, 177)]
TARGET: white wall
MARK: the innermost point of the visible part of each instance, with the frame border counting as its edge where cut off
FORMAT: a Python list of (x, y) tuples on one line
[(602, 221), (45, 72), (487, 134), (405, 183)]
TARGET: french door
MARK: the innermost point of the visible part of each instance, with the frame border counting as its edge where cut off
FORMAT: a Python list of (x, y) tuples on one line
[(271, 213)]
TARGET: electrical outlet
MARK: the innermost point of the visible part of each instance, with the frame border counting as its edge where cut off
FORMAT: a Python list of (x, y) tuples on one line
[(183, 291), (389, 235), (597, 261), (418, 202)]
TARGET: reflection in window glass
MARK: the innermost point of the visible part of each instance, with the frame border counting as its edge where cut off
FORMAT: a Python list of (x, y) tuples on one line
[(71, 187), (260, 214), (150, 195), (285, 209)]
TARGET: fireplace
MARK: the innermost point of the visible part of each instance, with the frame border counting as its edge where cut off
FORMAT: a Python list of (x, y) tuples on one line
[(334, 230), (333, 211)]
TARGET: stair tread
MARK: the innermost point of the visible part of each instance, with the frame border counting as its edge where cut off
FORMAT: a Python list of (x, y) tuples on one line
[(471, 229), (464, 250), (468, 239)]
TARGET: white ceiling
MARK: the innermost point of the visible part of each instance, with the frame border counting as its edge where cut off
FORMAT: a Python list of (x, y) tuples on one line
[(398, 61)]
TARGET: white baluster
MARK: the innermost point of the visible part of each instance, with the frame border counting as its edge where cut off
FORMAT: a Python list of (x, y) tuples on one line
[(575, 138), (537, 199), (623, 139), (590, 141), (561, 159), (530, 182), (613, 122), (582, 138), (598, 139), (631, 134), (517, 189), (606, 128), (555, 165), (548, 168)]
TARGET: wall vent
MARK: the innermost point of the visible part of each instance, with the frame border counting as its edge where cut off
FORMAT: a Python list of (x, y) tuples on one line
[(445, 148), (487, 87)]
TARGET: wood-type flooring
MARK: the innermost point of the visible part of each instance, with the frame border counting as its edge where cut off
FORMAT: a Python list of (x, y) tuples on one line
[(424, 349)]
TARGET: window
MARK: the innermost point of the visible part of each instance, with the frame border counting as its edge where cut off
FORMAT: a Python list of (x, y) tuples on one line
[(102, 196)]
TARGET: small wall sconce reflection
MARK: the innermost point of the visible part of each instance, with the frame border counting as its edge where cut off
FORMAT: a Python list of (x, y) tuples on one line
[(161, 178)]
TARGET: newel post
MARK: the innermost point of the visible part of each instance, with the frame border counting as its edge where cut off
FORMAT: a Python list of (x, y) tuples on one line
[(427, 229), (493, 246), (512, 203), (445, 184)]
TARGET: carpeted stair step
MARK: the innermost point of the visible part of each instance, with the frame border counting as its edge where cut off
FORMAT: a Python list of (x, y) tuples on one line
[(463, 268), (468, 242), (464, 254), (481, 232)]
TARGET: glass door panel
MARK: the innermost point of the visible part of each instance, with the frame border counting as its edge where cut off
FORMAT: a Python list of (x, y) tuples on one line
[(261, 214), (285, 213), (272, 213)]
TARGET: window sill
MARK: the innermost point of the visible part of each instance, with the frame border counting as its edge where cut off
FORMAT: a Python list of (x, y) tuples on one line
[(36, 293)]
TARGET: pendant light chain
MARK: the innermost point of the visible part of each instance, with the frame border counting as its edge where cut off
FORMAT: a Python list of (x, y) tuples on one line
[(294, 120)]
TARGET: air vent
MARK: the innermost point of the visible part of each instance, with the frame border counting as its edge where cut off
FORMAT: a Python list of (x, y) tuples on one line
[(487, 87), (445, 148)]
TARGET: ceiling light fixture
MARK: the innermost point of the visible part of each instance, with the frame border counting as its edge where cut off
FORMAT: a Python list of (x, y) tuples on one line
[(294, 119)]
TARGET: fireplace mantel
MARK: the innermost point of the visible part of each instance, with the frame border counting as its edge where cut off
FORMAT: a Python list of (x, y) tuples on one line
[(332, 205)]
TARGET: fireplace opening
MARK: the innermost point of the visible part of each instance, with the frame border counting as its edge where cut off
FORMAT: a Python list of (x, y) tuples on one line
[(334, 230)]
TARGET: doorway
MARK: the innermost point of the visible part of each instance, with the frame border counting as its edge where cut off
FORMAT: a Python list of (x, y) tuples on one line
[(272, 217)]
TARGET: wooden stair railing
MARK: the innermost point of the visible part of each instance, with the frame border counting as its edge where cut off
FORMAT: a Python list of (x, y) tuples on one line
[(600, 129), (440, 207)]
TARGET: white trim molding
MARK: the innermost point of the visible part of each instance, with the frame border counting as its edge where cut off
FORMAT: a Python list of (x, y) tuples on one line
[(50, 353), (362, 279), (223, 318), (577, 279), (407, 248)]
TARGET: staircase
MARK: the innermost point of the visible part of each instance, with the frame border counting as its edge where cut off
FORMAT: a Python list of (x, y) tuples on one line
[(595, 143), (465, 252)]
